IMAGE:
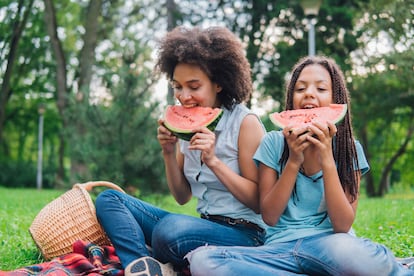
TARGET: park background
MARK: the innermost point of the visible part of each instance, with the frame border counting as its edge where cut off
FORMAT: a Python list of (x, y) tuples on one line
[(78, 91), (79, 100)]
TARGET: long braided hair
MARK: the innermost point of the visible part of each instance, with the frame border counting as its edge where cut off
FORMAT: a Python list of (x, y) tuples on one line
[(344, 145)]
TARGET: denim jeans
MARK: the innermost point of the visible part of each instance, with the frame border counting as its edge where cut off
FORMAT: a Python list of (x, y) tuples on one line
[(324, 254), (132, 224)]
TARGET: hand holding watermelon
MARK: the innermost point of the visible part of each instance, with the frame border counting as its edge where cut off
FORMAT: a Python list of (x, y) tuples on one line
[(317, 133), (321, 137), (166, 138), (297, 142), (204, 140)]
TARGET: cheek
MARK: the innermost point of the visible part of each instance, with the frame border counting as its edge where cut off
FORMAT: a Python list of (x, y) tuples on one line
[(328, 99), (296, 101)]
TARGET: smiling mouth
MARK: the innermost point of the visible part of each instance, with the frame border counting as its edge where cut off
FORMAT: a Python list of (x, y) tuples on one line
[(308, 106), (189, 105)]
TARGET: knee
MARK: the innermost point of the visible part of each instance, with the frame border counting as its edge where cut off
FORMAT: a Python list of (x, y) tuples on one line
[(341, 245), (104, 199), (360, 256), (199, 260), (169, 229)]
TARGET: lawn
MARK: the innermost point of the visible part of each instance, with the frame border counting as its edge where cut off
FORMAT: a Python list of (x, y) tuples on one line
[(387, 220)]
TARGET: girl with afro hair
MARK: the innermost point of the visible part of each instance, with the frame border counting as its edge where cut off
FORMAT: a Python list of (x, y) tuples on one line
[(207, 68)]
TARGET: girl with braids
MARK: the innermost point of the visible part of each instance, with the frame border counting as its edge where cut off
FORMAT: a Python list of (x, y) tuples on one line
[(206, 67), (309, 185)]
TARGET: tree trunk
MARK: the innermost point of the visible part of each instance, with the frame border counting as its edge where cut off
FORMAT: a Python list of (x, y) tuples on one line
[(171, 24), (60, 176), (384, 181), (87, 55), (51, 24), (86, 61), (17, 32), (370, 185), (61, 82)]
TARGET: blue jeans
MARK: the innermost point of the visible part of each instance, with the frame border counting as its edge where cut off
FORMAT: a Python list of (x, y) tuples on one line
[(132, 224), (324, 254)]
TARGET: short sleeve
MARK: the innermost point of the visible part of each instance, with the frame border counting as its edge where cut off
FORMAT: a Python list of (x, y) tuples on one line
[(270, 150), (362, 160)]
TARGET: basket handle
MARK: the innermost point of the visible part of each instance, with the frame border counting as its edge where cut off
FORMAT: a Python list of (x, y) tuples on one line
[(91, 184)]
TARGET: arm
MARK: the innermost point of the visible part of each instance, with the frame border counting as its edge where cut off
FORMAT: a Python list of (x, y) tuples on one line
[(174, 162), (276, 190), (341, 210), (244, 186)]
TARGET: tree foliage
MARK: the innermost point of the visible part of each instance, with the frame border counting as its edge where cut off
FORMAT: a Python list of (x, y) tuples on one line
[(385, 108), (120, 142), (90, 63), (383, 94)]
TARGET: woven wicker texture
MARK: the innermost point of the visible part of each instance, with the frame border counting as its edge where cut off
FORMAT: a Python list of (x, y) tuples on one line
[(68, 218)]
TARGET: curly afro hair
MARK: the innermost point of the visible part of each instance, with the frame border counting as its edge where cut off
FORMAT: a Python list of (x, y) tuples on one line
[(217, 51)]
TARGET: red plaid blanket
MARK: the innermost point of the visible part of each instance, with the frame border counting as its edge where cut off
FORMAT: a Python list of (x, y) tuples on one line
[(86, 259)]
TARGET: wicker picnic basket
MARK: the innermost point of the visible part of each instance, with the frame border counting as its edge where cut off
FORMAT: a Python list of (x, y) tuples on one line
[(68, 218)]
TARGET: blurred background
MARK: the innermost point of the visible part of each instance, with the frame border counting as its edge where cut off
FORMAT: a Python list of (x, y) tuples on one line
[(79, 100)]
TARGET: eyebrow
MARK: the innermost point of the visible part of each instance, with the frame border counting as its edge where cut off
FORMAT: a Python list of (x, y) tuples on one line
[(318, 81), (189, 81)]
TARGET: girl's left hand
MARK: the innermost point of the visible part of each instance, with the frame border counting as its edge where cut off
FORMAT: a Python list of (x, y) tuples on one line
[(204, 140), (322, 134)]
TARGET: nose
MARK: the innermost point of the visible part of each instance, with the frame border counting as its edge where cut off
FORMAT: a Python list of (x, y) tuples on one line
[(310, 90), (183, 94)]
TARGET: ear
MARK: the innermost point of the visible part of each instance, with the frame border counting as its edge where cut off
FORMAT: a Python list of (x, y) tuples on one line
[(218, 88)]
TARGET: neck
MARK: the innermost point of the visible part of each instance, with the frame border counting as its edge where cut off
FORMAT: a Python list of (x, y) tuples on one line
[(311, 164)]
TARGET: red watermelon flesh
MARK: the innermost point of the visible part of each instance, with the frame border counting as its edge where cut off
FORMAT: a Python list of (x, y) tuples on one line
[(302, 117), (182, 120)]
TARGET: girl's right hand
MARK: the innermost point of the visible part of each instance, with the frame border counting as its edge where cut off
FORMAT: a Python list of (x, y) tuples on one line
[(166, 139), (297, 143)]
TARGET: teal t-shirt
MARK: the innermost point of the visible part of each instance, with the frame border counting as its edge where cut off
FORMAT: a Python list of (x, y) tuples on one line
[(305, 214)]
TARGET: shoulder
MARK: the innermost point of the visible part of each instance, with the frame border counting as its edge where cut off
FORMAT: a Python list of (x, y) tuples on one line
[(240, 109), (270, 149), (249, 118), (273, 141), (274, 136), (251, 123), (251, 131)]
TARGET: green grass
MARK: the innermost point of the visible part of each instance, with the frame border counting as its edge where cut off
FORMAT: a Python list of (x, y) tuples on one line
[(388, 220), (18, 208)]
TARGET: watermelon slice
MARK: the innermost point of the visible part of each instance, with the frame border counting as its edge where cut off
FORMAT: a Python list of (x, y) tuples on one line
[(182, 120), (303, 117)]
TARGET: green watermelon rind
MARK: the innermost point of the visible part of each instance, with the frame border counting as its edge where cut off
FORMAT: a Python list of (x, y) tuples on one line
[(187, 134), (280, 125)]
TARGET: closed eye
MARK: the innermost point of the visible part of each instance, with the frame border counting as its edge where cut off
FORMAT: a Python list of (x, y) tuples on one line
[(176, 87), (194, 87)]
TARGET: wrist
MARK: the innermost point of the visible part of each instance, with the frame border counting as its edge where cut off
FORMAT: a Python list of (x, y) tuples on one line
[(293, 165), (167, 153), (213, 162), (328, 163)]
